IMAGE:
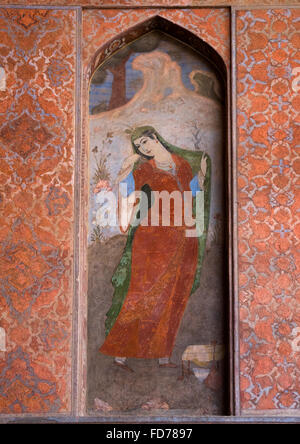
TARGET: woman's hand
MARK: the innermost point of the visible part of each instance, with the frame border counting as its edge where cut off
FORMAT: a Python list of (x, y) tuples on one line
[(204, 164), (203, 170), (127, 167)]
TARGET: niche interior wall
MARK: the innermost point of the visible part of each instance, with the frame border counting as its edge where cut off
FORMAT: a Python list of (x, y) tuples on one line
[(48, 51)]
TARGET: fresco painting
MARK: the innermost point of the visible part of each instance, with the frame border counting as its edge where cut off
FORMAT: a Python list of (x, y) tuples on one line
[(157, 330)]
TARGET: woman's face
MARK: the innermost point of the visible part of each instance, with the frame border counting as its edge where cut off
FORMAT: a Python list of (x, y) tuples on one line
[(146, 145)]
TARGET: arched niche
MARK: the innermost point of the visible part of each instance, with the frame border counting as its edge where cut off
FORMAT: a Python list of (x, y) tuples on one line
[(205, 319)]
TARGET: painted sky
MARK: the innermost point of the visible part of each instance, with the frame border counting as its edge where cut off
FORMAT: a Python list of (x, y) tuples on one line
[(187, 59)]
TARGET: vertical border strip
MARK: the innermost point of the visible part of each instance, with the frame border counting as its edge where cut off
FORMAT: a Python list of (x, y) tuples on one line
[(229, 242), (235, 302), (77, 218), (280, 413)]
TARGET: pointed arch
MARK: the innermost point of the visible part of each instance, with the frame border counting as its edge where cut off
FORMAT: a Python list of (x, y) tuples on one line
[(158, 23)]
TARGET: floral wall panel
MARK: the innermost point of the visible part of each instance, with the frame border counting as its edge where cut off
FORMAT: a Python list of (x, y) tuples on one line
[(268, 175), (37, 54)]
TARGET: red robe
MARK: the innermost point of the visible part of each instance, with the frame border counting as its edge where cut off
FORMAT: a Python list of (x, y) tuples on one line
[(163, 268)]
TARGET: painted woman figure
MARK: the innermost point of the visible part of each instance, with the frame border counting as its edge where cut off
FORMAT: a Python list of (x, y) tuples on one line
[(160, 265)]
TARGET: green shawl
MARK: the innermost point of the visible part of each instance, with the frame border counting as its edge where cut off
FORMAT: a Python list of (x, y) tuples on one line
[(121, 276)]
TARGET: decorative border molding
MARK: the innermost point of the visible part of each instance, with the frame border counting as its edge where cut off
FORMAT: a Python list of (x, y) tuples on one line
[(273, 413), (151, 4), (235, 376), (76, 353)]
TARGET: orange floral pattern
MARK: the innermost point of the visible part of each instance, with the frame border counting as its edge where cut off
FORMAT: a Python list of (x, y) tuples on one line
[(159, 3), (37, 52), (101, 27), (269, 220)]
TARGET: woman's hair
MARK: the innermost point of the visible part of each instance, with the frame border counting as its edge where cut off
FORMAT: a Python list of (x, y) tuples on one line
[(147, 131)]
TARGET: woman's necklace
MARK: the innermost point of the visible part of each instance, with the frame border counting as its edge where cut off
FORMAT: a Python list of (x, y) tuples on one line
[(165, 165)]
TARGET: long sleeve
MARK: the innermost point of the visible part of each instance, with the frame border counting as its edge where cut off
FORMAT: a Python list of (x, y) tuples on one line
[(127, 185)]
